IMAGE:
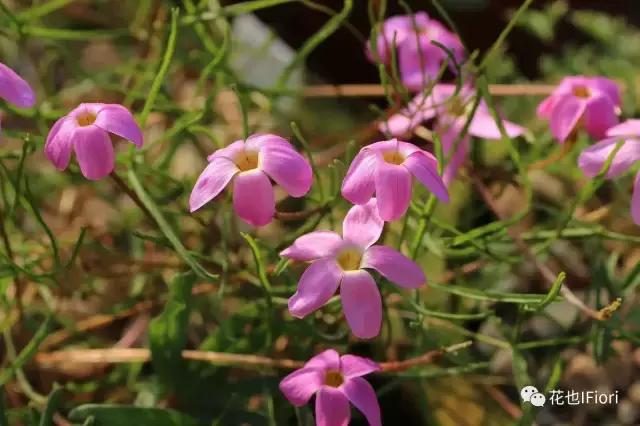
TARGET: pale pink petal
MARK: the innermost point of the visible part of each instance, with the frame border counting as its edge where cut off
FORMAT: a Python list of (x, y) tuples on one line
[(253, 198), (393, 190), (395, 30), (59, 144), (361, 304), (258, 141), (94, 151), (402, 123), (394, 266), (325, 360), (287, 168), (15, 89), (424, 166), (626, 128), (230, 151), (299, 386), (483, 125), (118, 120), (356, 366), (362, 225), (419, 62), (213, 179), (593, 158), (317, 284), (566, 115), (363, 397), (312, 246), (332, 407), (359, 184), (635, 200)]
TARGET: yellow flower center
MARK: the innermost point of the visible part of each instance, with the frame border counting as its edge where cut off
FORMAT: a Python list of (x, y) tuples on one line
[(349, 259), (393, 157), (86, 119), (247, 160), (581, 91), (333, 378), (456, 107)]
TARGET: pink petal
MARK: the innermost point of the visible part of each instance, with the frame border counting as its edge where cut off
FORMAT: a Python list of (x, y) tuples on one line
[(393, 190), (608, 87), (312, 246), (626, 128), (253, 198), (356, 366), (566, 115), (545, 107), (332, 407), (457, 160), (318, 283), (287, 167), (483, 125), (58, 146), (362, 395), (118, 120), (325, 360), (230, 151), (419, 62), (361, 304), (593, 158), (94, 151), (213, 179), (258, 141), (424, 166), (599, 116), (15, 89), (402, 123), (394, 266), (635, 200), (299, 386), (362, 225), (358, 184)]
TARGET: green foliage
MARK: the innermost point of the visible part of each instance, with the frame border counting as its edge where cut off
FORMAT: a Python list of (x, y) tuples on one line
[(109, 415)]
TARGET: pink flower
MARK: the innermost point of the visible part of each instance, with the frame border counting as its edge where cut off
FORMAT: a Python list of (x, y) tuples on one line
[(250, 164), (589, 102), (386, 168), (593, 158), (341, 261), (86, 130), (14, 89), (335, 380), (419, 59), (451, 111)]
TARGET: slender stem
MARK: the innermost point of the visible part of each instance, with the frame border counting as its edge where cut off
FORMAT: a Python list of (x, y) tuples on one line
[(132, 195)]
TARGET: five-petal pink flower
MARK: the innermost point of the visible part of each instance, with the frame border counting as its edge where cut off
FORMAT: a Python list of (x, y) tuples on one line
[(589, 102), (451, 109), (248, 165), (15, 89), (335, 381), (85, 130), (386, 168), (340, 262), (419, 60), (593, 158)]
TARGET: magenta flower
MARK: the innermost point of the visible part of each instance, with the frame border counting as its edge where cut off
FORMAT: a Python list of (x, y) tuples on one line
[(451, 111), (386, 168), (15, 89), (341, 262), (593, 158), (335, 380), (581, 102), (86, 130), (419, 60), (252, 163)]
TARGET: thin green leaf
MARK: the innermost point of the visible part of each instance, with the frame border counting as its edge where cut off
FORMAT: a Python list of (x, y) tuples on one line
[(27, 352), (112, 414)]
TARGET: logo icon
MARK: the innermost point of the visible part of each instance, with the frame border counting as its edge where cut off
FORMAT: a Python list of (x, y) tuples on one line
[(531, 394)]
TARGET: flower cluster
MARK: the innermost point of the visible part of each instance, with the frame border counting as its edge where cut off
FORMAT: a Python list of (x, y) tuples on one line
[(379, 183)]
